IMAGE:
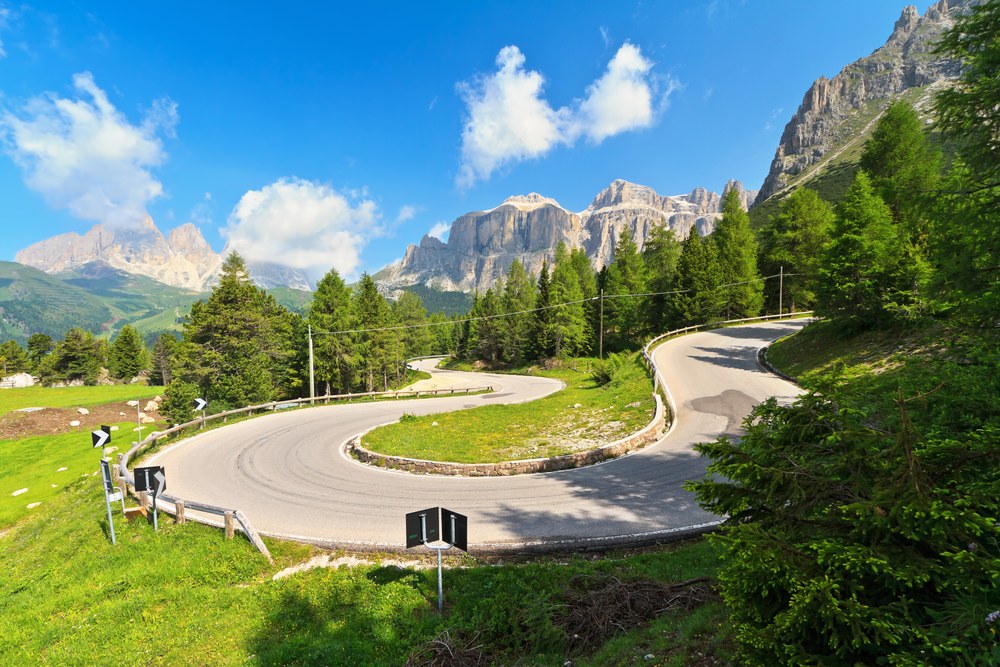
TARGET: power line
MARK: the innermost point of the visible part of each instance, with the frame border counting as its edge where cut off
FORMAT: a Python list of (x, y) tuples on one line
[(422, 325)]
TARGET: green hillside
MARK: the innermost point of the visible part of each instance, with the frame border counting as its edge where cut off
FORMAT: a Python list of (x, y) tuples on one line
[(34, 302), (99, 299)]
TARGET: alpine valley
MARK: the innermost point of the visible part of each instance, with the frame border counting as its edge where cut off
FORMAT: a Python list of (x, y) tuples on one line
[(110, 277)]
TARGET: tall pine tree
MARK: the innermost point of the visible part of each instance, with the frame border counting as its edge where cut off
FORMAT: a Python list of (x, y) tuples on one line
[(699, 280), (331, 312), (736, 247)]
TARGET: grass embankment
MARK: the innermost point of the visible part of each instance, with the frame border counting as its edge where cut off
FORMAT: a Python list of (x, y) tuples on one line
[(38, 469), (73, 397), (185, 595), (947, 372), (581, 416)]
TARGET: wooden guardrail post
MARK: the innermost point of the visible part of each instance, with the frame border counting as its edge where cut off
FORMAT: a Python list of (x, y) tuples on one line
[(230, 530), (179, 515), (143, 499)]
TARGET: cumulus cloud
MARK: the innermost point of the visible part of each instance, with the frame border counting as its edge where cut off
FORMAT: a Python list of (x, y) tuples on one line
[(304, 225), (85, 156), (440, 231), (509, 120), (621, 100)]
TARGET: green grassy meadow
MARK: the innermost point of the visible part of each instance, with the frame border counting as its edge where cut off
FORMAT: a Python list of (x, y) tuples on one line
[(547, 427), (73, 397), (186, 596)]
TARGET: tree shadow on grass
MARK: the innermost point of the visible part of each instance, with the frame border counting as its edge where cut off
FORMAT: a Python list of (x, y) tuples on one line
[(346, 617)]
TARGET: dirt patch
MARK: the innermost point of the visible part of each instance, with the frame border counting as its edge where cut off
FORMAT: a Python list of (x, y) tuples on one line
[(50, 421)]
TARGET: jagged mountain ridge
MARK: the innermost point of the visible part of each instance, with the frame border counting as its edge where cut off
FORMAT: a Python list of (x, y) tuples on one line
[(482, 244), (182, 259), (837, 111)]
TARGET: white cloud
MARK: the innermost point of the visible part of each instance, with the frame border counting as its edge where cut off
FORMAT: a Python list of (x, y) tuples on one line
[(304, 225), (83, 155), (406, 212), (440, 230), (621, 100), (4, 22), (508, 119)]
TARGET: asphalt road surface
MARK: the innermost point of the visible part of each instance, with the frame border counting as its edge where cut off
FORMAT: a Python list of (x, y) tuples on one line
[(289, 474)]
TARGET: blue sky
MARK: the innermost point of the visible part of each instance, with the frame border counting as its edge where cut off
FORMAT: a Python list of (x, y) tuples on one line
[(329, 134)]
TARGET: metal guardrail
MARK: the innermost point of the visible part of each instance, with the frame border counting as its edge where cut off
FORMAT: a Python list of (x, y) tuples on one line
[(150, 441), (658, 380)]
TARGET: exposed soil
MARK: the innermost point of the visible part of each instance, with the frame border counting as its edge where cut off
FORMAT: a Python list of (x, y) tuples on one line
[(48, 421)]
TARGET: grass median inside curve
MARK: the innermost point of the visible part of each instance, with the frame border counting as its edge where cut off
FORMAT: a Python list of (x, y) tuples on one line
[(582, 416)]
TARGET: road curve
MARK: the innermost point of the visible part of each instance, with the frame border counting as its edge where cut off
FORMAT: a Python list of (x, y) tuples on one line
[(289, 474)]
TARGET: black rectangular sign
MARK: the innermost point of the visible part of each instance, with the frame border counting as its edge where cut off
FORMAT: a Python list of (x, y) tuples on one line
[(145, 478), (109, 486), (455, 529), (415, 528)]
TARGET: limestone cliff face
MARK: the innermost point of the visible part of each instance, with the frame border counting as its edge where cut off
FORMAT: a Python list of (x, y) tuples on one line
[(482, 245), (832, 108)]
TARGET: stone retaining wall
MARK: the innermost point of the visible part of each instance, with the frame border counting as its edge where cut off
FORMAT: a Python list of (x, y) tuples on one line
[(564, 462)]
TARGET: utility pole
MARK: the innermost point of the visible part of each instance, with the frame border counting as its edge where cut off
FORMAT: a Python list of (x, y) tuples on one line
[(781, 289), (312, 374), (600, 331)]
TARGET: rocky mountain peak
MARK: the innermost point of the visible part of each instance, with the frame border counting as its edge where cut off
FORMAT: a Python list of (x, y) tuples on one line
[(832, 110), (529, 202), (482, 245), (905, 24)]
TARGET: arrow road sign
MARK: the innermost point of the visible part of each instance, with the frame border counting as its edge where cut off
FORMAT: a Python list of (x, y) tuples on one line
[(151, 479), (455, 529), (200, 403), (100, 437), (161, 482), (422, 526)]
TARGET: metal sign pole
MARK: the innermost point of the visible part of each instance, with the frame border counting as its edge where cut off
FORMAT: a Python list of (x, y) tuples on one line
[(423, 528), (111, 522)]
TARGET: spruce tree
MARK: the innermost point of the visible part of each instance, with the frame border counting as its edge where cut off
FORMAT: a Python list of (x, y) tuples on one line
[(518, 297), (588, 288), (409, 311), (162, 360), (374, 342), (736, 247), (568, 321), (77, 357), (660, 254), (39, 345), (13, 358), (128, 355), (791, 242), (541, 340), (333, 354), (862, 268), (238, 344), (700, 300), (623, 312)]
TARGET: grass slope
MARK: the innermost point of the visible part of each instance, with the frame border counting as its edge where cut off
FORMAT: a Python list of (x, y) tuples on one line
[(186, 596), (581, 416)]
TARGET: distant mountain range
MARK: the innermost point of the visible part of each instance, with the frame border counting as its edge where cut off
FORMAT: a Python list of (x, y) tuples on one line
[(482, 245), (108, 276), (99, 298), (183, 259)]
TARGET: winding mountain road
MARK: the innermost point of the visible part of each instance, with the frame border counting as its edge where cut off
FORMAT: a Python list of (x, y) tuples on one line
[(289, 474)]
